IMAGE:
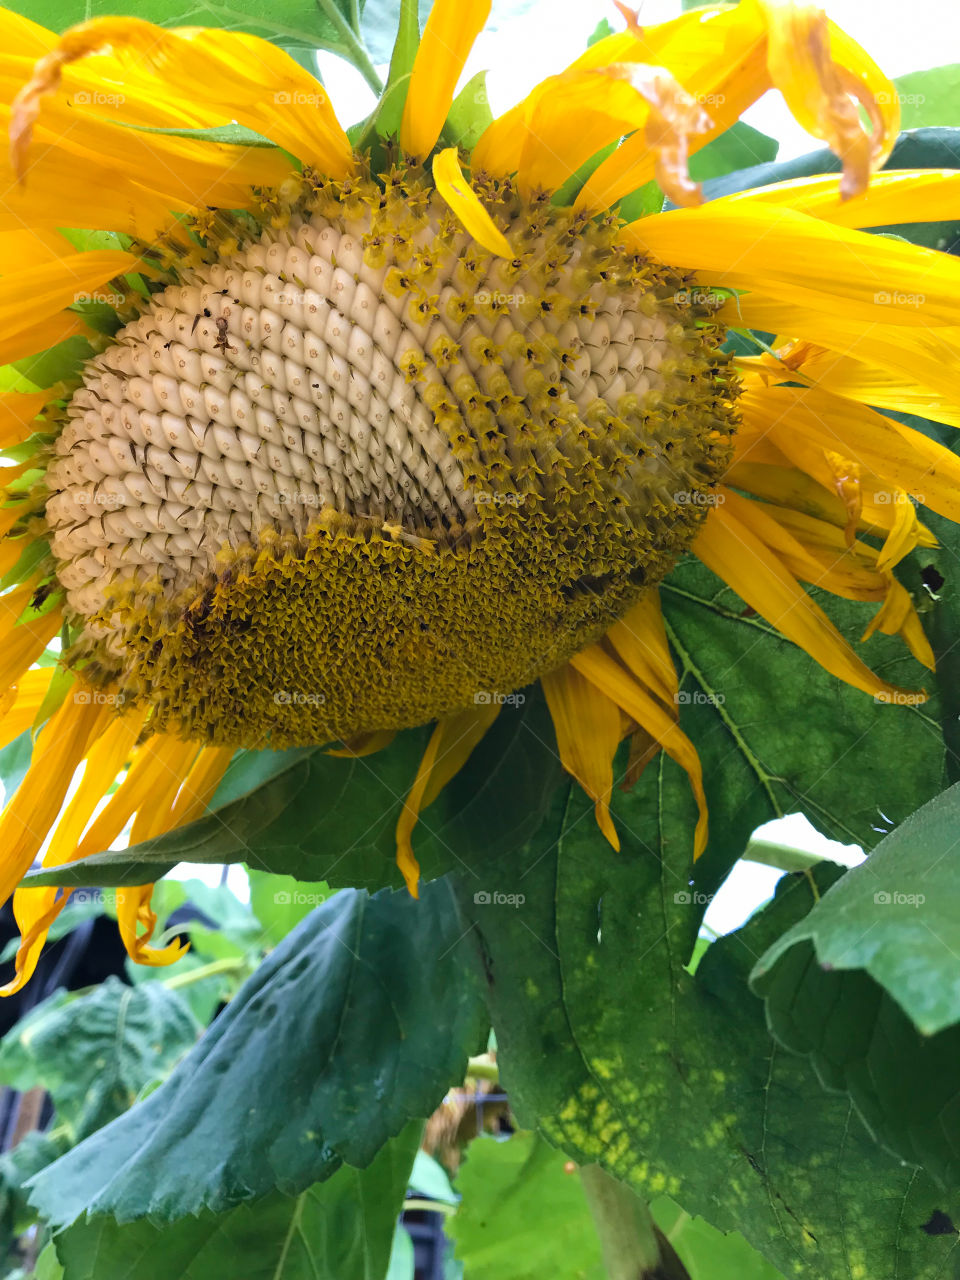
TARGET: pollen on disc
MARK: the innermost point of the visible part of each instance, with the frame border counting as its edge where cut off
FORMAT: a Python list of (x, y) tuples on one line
[(347, 473)]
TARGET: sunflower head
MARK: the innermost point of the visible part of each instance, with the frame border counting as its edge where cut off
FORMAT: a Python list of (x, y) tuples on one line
[(369, 434), (354, 467)]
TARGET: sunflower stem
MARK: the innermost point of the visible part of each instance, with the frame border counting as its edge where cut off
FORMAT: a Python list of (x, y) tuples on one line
[(623, 1222), (352, 46), (230, 964)]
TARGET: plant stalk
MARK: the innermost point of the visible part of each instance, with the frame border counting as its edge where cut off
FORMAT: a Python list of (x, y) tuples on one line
[(352, 44), (627, 1234)]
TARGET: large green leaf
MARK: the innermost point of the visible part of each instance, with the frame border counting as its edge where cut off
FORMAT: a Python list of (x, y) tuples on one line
[(95, 1053), (930, 97), (740, 681), (358, 1021), (521, 1216), (319, 817), (880, 946), (738, 147), (896, 917), (341, 1229), (671, 1081), (524, 1215)]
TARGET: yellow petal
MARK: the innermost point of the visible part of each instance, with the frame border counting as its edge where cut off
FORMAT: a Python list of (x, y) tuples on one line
[(901, 456), (465, 203), (925, 357), (452, 27), (31, 812), (819, 70), (641, 642), (899, 617), (215, 69), (18, 411), (587, 725), (864, 277), (21, 703), (855, 380), (757, 575), (615, 681), (901, 195), (35, 909), (206, 774), (447, 752)]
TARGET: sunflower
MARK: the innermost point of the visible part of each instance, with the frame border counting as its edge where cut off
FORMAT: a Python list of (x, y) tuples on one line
[(333, 437)]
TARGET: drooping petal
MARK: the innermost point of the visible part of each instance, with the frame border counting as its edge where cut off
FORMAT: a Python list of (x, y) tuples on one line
[(452, 27), (220, 70), (29, 815), (447, 752), (465, 203), (603, 671), (757, 575), (35, 909), (587, 725), (824, 75), (641, 642)]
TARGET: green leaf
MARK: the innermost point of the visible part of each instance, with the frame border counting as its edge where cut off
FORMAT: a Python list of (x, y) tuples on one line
[(670, 1081), (315, 816), (469, 114), (738, 677), (706, 1253), (738, 147), (524, 1214), (359, 1020), (341, 1229), (33, 1152), (95, 1053), (521, 1216), (896, 917), (929, 97), (880, 950), (280, 903)]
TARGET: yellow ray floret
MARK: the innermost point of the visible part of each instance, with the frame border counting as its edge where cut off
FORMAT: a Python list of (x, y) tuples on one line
[(587, 725), (447, 752), (451, 29)]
